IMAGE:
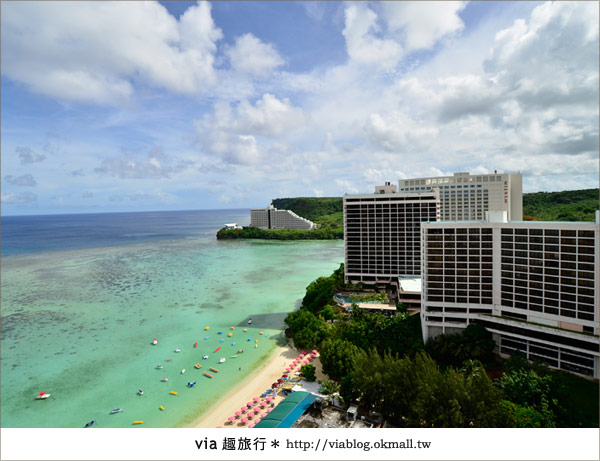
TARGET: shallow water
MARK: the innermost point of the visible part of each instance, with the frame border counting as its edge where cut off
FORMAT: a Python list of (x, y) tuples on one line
[(79, 324)]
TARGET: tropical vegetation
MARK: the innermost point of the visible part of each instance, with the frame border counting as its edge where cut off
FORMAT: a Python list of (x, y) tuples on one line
[(382, 364)]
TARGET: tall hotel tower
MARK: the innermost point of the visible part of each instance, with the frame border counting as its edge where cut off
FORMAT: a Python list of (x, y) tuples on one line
[(534, 285), (465, 197), (382, 234)]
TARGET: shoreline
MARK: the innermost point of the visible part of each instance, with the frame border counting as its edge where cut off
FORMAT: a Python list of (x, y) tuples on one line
[(254, 385)]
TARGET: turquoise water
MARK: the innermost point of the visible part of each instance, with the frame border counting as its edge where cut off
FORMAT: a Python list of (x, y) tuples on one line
[(79, 324)]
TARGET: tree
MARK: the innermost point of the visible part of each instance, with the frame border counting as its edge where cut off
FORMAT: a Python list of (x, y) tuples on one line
[(337, 357), (308, 372), (329, 387)]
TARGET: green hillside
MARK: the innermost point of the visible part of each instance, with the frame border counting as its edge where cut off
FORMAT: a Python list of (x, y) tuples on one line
[(569, 205), (327, 212)]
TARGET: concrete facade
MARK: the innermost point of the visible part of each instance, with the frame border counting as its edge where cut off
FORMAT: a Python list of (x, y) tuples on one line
[(382, 234), (532, 284), (465, 197), (272, 218)]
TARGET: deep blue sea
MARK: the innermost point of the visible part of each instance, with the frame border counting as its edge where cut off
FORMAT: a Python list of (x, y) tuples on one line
[(34, 234), (84, 295)]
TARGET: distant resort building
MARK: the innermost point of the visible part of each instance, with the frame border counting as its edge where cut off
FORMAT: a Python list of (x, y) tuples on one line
[(233, 225), (532, 284), (382, 234), (466, 197), (272, 218)]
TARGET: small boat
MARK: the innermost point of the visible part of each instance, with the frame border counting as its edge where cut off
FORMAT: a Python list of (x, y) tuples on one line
[(164, 379), (219, 332), (256, 345), (218, 348), (205, 356), (245, 330), (249, 339), (90, 423), (222, 340), (195, 344), (116, 410), (161, 407), (138, 422), (230, 334), (261, 333), (140, 392), (207, 328), (42, 395), (177, 350), (173, 392), (250, 321), (183, 371), (155, 341), (206, 337), (222, 360), (232, 328), (208, 375), (159, 367), (233, 343), (168, 359), (191, 384), (214, 369), (234, 356), (198, 366), (256, 340), (240, 351)]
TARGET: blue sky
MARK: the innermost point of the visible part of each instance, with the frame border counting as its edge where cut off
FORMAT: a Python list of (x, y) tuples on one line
[(130, 106)]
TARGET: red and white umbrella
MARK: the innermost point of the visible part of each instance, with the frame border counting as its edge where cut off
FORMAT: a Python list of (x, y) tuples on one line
[(314, 351), (263, 404), (231, 419), (244, 420), (269, 399), (238, 413), (256, 399)]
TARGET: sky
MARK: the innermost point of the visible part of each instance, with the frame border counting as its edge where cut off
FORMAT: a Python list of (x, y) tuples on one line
[(140, 106)]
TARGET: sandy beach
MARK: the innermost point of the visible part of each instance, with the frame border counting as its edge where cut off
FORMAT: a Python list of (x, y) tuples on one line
[(254, 386)]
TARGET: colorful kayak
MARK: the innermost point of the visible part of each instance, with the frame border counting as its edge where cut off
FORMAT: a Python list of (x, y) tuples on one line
[(218, 348), (222, 340), (198, 366), (138, 422), (234, 356), (207, 328), (208, 375), (116, 410), (195, 344), (173, 392), (214, 369), (230, 334), (43, 395), (161, 407)]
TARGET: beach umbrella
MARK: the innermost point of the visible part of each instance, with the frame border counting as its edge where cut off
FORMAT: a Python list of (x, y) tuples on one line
[(231, 419), (314, 351), (302, 354), (256, 399), (274, 385), (250, 415), (288, 369), (284, 376), (269, 410), (238, 413), (269, 399), (280, 380), (243, 409), (264, 414), (263, 404), (244, 420), (249, 405), (251, 426), (219, 427)]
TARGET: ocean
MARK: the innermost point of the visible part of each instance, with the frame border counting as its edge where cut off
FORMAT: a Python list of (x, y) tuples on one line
[(83, 296)]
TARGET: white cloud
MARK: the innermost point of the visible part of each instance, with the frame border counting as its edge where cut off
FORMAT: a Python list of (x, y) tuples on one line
[(28, 156), (396, 131), (345, 186), (250, 55), (94, 51), (25, 180), (21, 198), (362, 44), (423, 23), (154, 165)]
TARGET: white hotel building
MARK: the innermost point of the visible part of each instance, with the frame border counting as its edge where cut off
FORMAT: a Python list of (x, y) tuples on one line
[(465, 197), (272, 218), (382, 234), (532, 284)]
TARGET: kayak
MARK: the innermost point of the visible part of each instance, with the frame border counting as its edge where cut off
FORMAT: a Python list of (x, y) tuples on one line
[(218, 348), (138, 422), (195, 344)]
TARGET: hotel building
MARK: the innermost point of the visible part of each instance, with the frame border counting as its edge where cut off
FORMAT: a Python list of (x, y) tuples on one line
[(272, 218), (465, 197), (382, 234), (533, 285)]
